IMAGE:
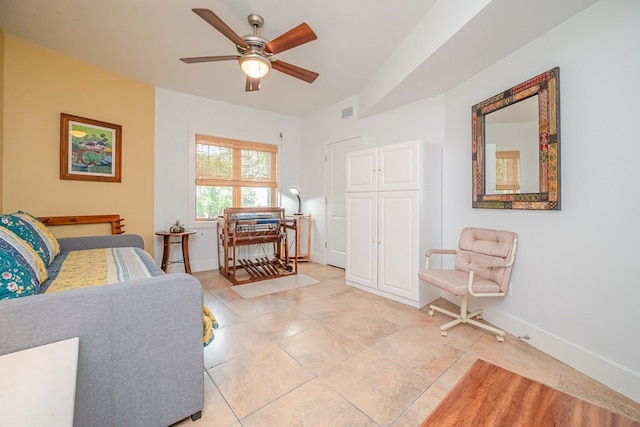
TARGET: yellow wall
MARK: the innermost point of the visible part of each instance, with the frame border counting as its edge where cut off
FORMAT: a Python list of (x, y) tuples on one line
[(40, 84), (1, 110)]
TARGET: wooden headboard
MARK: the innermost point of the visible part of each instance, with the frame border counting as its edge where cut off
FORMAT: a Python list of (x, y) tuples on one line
[(117, 223)]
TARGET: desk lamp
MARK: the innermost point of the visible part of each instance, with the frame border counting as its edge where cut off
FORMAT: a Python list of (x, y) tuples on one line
[(295, 191)]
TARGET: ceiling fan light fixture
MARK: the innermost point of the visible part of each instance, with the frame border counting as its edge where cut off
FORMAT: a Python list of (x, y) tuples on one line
[(254, 65)]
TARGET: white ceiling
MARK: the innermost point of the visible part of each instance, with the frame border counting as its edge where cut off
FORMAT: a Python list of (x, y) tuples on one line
[(387, 53)]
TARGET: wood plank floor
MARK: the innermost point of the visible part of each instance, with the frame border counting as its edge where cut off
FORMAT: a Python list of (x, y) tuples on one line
[(492, 396)]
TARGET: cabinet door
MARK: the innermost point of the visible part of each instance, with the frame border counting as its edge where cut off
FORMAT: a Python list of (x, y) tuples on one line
[(398, 166), (362, 245), (362, 170), (398, 237)]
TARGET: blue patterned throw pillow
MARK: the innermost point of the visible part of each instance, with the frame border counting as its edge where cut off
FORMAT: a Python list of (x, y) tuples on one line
[(32, 231), (21, 269)]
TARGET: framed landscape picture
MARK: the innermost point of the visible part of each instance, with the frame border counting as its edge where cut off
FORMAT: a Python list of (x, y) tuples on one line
[(90, 150)]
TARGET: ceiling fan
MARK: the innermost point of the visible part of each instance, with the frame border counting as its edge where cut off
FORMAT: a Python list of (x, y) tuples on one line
[(255, 53)]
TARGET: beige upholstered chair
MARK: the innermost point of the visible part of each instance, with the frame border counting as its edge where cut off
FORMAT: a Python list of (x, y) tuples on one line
[(482, 269)]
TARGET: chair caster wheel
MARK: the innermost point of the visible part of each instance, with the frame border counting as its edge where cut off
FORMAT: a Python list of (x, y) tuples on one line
[(500, 338), (443, 333), (431, 312)]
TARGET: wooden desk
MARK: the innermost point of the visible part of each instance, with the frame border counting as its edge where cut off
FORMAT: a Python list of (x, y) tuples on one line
[(488, 395), (39, 385), (166, 249)]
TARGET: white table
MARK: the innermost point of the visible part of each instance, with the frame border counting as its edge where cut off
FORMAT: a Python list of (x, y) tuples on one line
[(38, 385)]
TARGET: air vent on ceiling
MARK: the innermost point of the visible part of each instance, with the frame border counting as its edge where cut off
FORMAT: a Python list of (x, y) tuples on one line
[(347, 112)]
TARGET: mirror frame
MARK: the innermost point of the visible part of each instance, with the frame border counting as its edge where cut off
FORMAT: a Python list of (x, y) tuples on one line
[(547, 86)]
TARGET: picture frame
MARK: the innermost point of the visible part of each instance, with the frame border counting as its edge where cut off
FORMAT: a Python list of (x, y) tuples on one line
[(90, 150)]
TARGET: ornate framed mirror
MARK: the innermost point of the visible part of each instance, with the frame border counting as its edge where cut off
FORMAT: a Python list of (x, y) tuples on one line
[(515, 146)]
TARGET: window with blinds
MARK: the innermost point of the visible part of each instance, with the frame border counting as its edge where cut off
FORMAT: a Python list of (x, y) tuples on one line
[(233, 173), (507, 172)]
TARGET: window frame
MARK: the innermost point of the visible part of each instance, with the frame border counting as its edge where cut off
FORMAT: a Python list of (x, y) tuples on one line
[(237, 183), (511, 160)]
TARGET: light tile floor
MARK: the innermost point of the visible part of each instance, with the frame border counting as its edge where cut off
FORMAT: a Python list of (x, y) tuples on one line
[(330, 354)]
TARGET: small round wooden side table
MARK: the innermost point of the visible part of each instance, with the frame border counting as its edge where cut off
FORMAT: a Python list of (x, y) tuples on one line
[(184, 239)]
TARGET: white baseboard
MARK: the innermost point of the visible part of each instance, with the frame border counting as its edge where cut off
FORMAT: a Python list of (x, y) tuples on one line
[(613, 375), (609, 373), (318, 257), (203, 265)]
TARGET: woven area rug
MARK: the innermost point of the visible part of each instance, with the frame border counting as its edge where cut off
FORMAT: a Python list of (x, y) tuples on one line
[(271, 286)]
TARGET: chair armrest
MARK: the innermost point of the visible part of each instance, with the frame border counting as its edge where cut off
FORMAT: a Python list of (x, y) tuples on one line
[(437, 252), (440, 251), (496, 263)]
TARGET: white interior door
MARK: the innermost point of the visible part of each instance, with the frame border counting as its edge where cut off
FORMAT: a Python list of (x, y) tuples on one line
[(336, 174)]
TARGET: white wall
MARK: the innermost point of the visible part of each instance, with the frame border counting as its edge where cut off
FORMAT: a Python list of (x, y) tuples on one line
[(178, 117), (421, 120), (573, 289)]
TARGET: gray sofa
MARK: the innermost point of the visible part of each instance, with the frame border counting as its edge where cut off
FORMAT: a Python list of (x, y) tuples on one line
[(140, 361)]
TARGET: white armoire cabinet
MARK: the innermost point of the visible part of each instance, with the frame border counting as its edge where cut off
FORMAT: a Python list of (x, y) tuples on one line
[(393, 216)]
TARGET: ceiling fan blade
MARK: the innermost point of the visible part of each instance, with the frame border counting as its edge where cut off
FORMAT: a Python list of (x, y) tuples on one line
[(252, 84), (294, 71), (220, 25), (295, 37), (197, 59)]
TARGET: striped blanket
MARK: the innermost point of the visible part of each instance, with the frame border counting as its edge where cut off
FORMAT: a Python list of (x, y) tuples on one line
[(94, 267), (99, 267)]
